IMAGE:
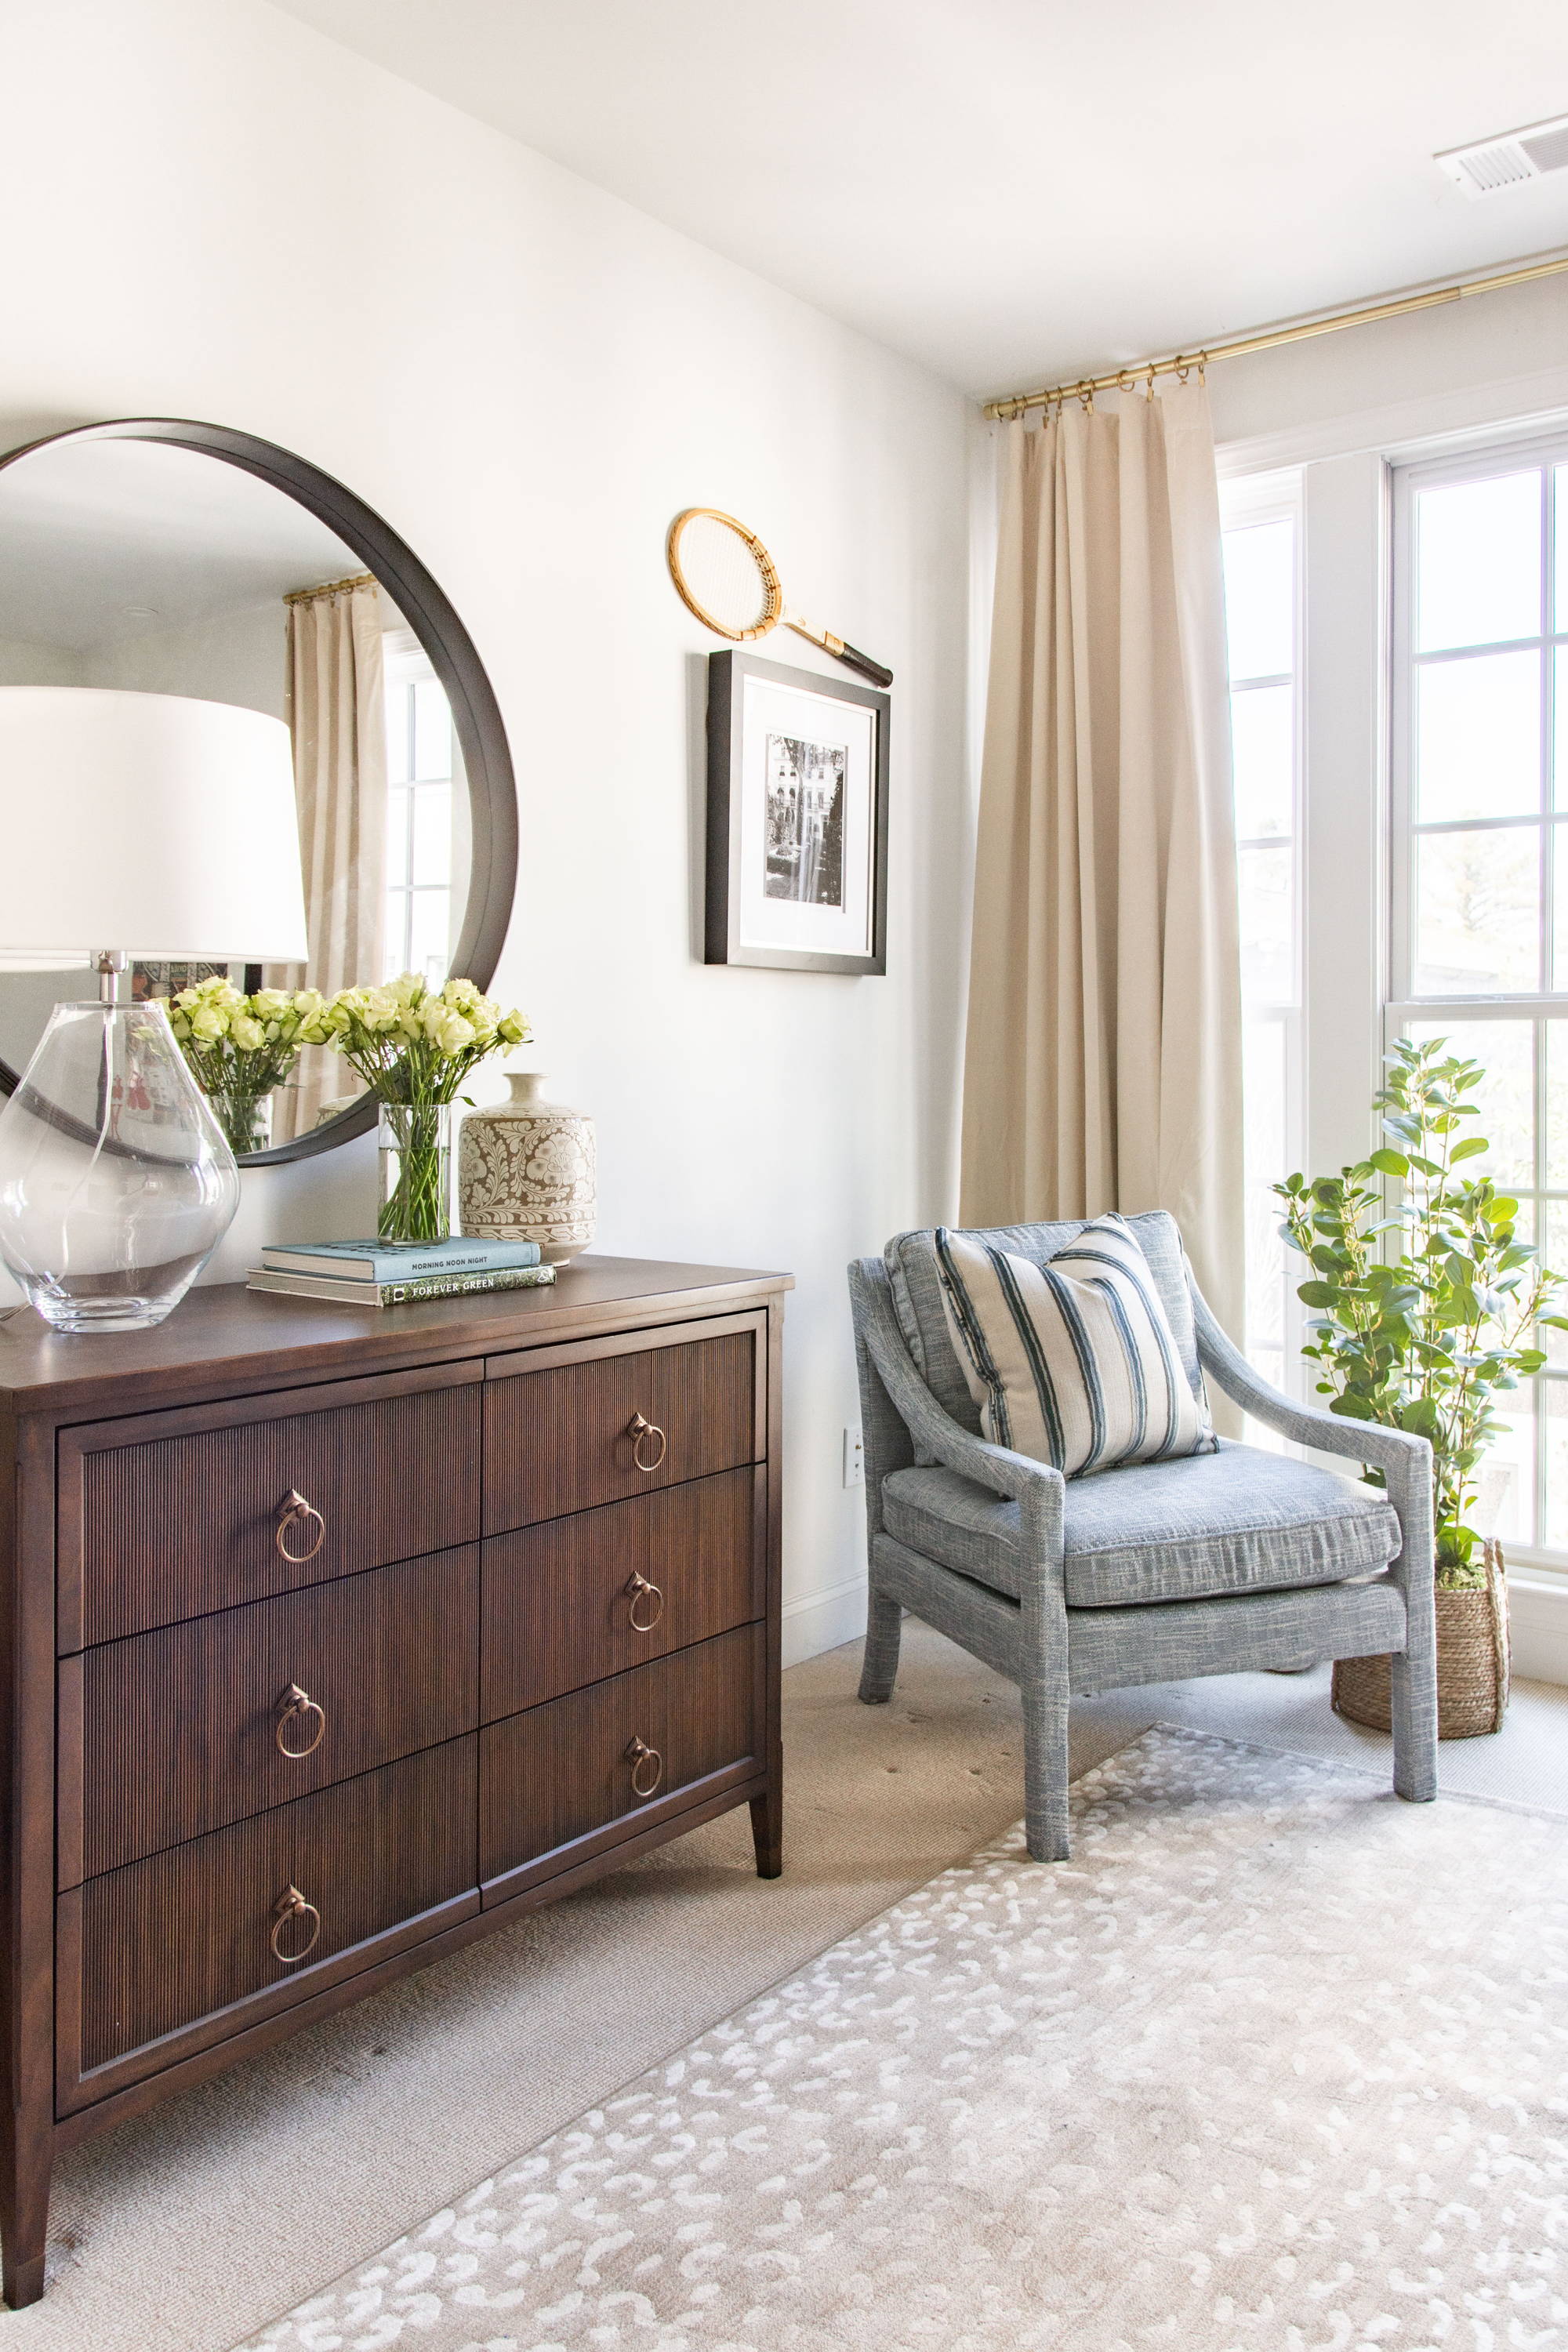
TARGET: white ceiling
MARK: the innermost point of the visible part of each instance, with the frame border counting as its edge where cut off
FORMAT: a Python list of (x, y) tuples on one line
[(1017, 190), (101, 541)]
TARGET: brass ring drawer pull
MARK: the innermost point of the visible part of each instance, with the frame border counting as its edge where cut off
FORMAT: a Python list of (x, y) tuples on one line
[(638, 1429), (648, 1766), (646, 1596), (291, 1905), (297, 1512), (298, 1703)]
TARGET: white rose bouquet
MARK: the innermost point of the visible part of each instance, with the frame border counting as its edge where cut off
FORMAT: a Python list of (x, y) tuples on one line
[(239, 1047), (414, 1045)]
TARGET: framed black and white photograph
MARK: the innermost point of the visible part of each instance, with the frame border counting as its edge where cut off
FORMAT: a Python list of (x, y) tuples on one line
[(797, 818)]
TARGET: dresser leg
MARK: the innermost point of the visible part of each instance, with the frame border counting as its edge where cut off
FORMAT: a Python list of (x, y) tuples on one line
[(24, 2225), (767, 1833)]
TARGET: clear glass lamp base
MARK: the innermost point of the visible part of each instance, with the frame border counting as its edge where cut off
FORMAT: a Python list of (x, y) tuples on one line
[(115, 1183)]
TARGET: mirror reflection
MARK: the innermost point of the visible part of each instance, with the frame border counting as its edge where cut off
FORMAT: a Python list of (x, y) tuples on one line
[(142, 566)]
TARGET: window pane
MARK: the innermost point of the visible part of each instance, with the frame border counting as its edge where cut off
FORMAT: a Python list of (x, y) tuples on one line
[(1477, 913), (1261, 598), (1560, 716), (394, 945), (1553, 1249), (428, 929), (1559, 619), (397, 837), (1263, 748), (432, 731), (1505, 1480), (1505, 1052), (1478, 562), (1264, 1067), (1478, 738), (396, 731), (433, 833), (1268, 958)]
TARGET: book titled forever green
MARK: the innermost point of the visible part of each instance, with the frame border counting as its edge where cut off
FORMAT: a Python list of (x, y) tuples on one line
[(410, 1261), (398, 1293)]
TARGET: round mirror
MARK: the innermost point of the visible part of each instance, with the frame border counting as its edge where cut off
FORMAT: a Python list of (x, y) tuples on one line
[(173, 558)]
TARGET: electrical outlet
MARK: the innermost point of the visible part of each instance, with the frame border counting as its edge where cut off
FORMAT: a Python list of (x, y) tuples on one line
[(854, 1458)]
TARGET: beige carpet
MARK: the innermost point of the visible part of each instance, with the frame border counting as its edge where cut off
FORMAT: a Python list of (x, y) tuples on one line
[(1274, 2061), (188, 2229)]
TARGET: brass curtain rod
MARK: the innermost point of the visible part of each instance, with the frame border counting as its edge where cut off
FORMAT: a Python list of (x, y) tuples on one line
[(1179, 363), (329, 588)]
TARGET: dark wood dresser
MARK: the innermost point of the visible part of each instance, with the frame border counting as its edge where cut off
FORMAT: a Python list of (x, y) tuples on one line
[(334, 1638)]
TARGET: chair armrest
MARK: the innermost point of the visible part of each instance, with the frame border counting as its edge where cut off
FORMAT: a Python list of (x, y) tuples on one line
[(1405, 1459), (1015, 1476)]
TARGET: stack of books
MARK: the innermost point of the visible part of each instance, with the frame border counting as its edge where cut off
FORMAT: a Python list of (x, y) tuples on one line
[(377, 1274)]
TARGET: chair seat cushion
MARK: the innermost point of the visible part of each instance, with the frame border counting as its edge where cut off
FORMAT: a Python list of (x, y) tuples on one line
[(1238, 1520)]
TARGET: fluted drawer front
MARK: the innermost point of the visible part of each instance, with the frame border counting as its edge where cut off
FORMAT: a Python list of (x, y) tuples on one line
[(166, 1735), (170, 1516), (572, 1599), (555, 1776), (209, 1926), (619, 1420)]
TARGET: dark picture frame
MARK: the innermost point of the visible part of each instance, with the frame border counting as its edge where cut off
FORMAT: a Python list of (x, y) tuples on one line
[(789, 806)]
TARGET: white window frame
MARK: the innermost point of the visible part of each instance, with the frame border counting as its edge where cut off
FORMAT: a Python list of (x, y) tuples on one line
[(1403, 1008), (407, 664), (1247, 501)]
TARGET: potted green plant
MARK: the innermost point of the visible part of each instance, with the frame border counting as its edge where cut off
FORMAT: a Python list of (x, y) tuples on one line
[(414, 1045), (241, 1047), (1420, 1315)]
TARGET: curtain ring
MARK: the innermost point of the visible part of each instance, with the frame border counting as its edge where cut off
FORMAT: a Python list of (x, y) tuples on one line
[(1202, 367), (1183, 368), (1149, 394)]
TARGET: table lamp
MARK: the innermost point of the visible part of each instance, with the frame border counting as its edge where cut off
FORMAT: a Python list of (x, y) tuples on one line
[(149, 825)]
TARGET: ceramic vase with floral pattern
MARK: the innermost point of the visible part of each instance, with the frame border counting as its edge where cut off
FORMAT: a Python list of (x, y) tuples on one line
[(526, 1172)]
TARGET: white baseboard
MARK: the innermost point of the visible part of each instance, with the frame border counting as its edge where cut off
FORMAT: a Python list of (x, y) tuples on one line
[(815, 1621), (1538, 1628)]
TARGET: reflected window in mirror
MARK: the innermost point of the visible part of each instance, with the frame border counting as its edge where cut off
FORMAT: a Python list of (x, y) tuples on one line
[(428, 815)]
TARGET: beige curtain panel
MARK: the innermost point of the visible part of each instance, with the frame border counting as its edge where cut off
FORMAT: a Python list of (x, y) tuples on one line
[(338, 717), (1103, 1065)]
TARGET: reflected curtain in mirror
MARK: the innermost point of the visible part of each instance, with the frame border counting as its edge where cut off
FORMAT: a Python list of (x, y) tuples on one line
[(1103, 1065), (337, 713)]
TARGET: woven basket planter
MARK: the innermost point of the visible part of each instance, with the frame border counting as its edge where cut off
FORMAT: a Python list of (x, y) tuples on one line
[(1472, 1663)]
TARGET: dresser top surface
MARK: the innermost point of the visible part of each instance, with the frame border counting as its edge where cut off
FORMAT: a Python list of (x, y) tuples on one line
[(225, 1336)]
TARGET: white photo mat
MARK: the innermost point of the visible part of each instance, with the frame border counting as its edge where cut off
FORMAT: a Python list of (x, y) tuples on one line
[(808, 801)]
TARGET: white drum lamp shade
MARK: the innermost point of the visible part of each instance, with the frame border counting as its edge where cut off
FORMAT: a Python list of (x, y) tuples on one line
[(150, 822), (148, 826)]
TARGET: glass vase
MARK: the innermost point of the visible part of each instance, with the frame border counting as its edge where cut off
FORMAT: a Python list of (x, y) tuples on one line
[(116, 1184), (244, 1118), (416, 1151)]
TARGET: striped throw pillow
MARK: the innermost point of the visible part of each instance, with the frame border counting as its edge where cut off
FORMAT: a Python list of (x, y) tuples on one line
[(1073, 1362)]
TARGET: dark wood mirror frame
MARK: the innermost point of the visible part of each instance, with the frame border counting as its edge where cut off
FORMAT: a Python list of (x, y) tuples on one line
[(493, 792)]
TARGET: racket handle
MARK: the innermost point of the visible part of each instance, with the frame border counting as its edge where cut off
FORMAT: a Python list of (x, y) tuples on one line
[(850, 655), (852, 659)]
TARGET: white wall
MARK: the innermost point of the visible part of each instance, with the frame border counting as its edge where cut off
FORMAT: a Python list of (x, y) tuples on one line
[(234, 657), (1465, 365), (228, 217)]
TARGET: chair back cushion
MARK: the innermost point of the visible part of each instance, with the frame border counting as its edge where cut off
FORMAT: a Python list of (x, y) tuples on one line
[(1072, 1362), (913, 1272)]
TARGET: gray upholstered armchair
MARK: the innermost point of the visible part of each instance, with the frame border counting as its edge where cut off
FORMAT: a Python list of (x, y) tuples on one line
[(1205, 1565)]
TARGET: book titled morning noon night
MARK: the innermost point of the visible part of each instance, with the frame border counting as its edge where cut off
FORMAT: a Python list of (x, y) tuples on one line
[(375, 1260)]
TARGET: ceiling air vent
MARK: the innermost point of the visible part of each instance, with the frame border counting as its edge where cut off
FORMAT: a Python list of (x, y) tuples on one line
[(1492, 165)]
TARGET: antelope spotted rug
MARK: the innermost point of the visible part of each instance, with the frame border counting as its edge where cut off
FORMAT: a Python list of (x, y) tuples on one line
[(1276, 2063)]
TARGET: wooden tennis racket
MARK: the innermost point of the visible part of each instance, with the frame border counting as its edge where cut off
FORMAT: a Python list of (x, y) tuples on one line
[(725, 575)]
